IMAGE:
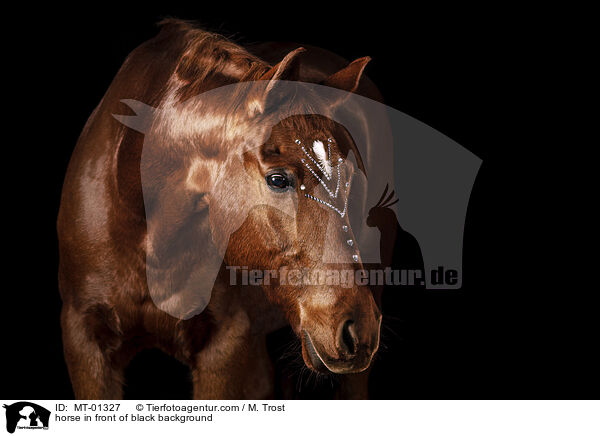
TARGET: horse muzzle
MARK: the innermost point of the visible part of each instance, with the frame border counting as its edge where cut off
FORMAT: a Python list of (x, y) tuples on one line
[(349, 348)]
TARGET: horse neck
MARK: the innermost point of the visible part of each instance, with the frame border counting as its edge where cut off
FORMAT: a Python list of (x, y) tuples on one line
[(244, 303)]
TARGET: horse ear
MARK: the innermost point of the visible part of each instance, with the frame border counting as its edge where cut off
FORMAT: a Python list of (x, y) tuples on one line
[(287, 69), (348, 78), (142, 120)]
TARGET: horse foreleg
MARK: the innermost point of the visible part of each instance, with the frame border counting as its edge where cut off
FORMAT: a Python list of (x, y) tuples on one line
[(233, 366), (92, 375), (354, 386)]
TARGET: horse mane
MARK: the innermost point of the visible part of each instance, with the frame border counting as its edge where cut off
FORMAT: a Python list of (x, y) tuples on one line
[(184, 61), (209, 60)]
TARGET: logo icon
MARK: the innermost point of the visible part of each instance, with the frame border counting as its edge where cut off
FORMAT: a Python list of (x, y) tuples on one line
[(26, 415)]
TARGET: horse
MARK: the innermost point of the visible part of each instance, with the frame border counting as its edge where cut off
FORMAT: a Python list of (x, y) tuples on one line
[(152, 205)]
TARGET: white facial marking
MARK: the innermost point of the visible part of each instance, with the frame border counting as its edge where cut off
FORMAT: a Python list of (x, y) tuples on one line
[(322, 157), (323, 163), (318, 300)]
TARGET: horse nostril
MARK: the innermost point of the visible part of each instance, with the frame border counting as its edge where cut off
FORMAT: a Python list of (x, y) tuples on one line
[(347, 338)]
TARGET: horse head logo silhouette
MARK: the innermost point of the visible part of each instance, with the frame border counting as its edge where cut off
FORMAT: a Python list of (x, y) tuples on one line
[(27, 415)]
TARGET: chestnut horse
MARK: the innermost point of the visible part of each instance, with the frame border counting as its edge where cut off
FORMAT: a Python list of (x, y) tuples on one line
[(115, 233)]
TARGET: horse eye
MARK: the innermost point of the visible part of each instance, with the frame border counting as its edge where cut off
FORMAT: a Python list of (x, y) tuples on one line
[(278, 181)]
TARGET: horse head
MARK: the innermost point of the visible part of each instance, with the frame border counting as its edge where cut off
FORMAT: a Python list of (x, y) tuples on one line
[(257, 174)]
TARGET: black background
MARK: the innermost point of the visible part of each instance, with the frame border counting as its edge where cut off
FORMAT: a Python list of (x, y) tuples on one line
[(463, 72)]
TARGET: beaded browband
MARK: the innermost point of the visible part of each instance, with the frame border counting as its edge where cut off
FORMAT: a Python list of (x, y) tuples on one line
[(324, 165)]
